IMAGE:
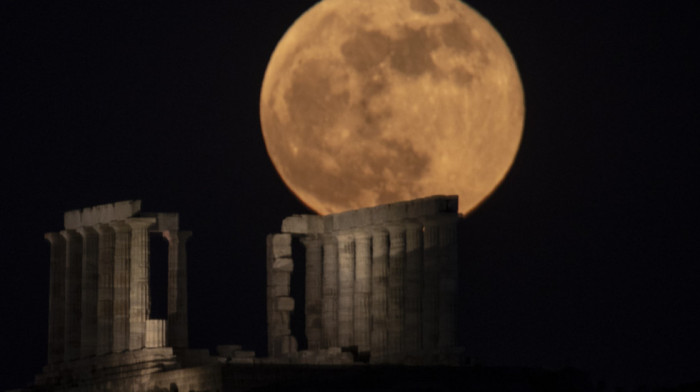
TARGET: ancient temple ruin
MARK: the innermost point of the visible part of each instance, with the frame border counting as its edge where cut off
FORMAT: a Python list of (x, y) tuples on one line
[(379, 287), (380, 282)]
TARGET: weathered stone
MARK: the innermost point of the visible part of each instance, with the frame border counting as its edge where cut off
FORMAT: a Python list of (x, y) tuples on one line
[(284, 304), (283, 264)]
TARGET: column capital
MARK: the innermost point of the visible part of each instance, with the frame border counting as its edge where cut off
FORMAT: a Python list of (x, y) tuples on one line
[(86, 231), (345, 236), (362, 234), (54, 237), (177, 236), (141, 222), (120, 226)]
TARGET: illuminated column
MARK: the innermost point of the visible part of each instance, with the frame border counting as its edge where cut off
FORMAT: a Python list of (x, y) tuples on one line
[(397, 268), (448, 256), (139, 301), (314, 289), (88, 302), (105, 289), (329, 309), (363, 289), (122, 262), (431, 284), (280, 304), (380, 270), (346, 284), (57, 297), (412, 284), (74, 260), (177, 288)]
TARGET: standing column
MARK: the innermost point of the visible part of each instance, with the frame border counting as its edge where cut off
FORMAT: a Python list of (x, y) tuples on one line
[(139, 300), (380, 270), (412, 284), (329, 311), (346, 286), (363, 288), (314, 289), (431, 284), (177, 288), (105, 289), (57, 297), (397, 268), (122, 263), (448, 280), (74, 261), (88, 302), (280, 304)]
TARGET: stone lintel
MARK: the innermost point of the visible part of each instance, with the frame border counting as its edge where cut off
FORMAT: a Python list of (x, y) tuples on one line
[(104, 213)]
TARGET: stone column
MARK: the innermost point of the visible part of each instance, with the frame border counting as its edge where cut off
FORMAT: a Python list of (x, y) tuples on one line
[(57, 297), (329, 306), (105, 290), (122, 263), (279, 272), (448, 281), (88, 302), (431, 284), (74, 275), (346, 288), (314, 289), (413, 290), (380, 270), (363, 289), (397, 268), (139, 299), (177, 288)]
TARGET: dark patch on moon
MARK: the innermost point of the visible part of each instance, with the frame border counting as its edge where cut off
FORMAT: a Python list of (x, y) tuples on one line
[(366, 50), (458, 36), (462, 76), (427, 7), (311, 99), (411, 53)]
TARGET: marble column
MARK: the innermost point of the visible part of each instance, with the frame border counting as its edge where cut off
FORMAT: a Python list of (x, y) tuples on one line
[(397, 269), (177, 288), (105, 290), (346, 288), (139, 298), (57, 297), (329, 306), (413, 290), (448, 256), (280, 266), (313, 289), (88, 302), (380, 271), (74, 262), (431, 284), (122, 263), (363, 289)]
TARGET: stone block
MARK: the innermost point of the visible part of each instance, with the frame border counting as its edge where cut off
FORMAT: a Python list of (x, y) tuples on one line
[(284, 304), (126, 209), (303, 224), (283, 264), (279, 278), (72, 219), (168, 221), (281, 245), (227, 350), (105, 212)]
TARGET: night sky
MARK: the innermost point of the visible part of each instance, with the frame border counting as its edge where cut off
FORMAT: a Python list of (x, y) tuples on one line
[(586, 256)]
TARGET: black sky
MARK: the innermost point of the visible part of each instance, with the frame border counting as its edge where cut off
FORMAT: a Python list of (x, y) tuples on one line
[(586, 256)]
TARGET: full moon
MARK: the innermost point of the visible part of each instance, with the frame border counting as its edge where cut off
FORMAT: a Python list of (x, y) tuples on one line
[(366, 102)]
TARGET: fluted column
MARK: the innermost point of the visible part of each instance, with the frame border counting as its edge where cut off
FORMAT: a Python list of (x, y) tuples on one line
[(329, 311), (380, 270), (88, 302), (314, 289), (413, 289), (431, 284), (57, 297), (105, 289), (448, 281), (346, 284), (363, 289), (397, 268), (177, 288), (122, 263), (139, 296), (74, 261)]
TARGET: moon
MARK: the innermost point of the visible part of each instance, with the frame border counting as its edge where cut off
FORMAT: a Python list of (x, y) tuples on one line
[(366, 102)]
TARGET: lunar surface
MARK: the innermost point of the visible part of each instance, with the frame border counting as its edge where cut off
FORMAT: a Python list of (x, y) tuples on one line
[(366, 102)]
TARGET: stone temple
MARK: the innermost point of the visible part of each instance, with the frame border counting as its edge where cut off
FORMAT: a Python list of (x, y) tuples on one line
[(377, 297)]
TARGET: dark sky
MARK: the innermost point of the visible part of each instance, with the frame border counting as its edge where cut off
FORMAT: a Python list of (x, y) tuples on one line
[(586, 256)]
